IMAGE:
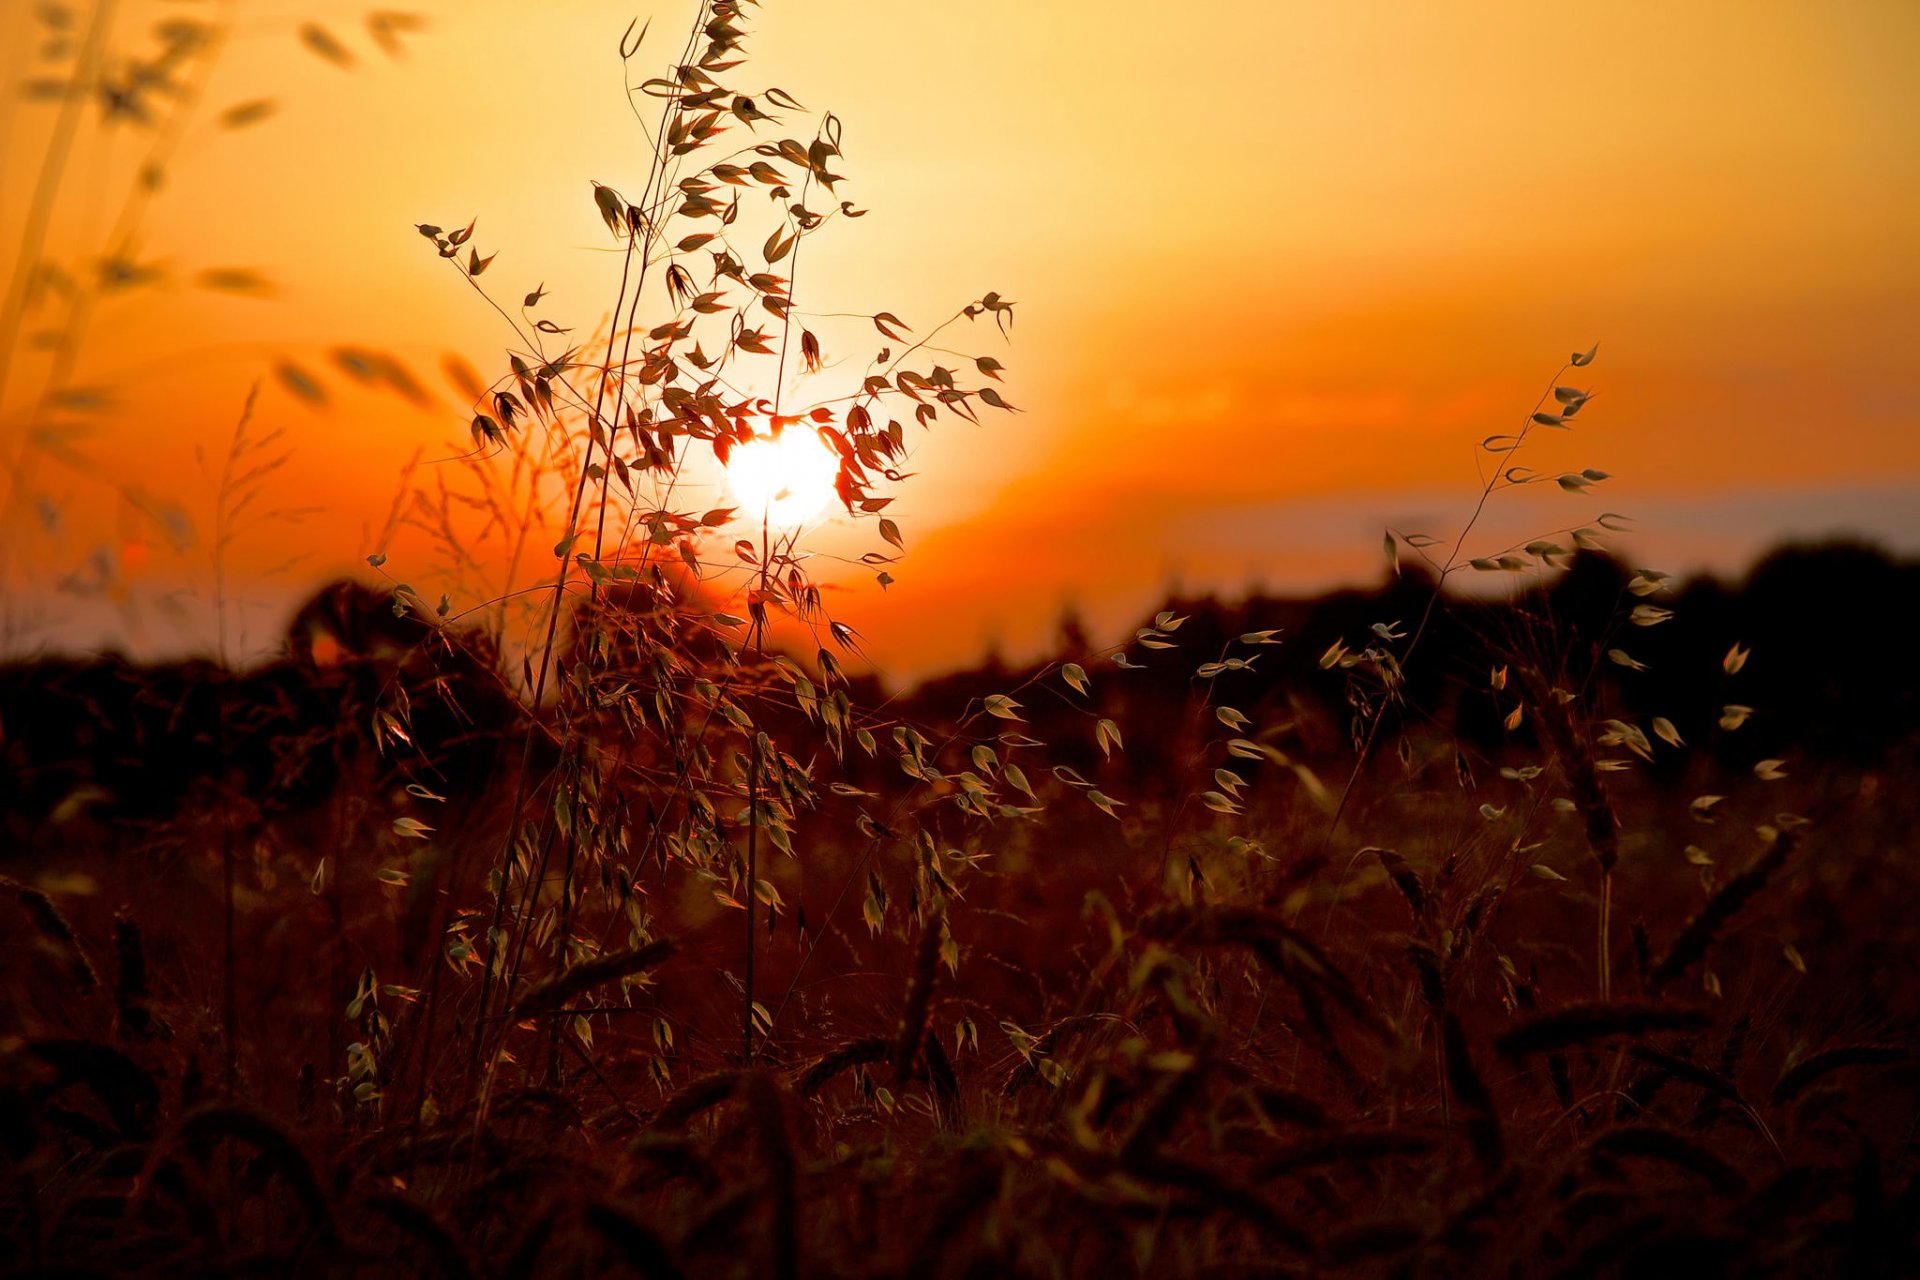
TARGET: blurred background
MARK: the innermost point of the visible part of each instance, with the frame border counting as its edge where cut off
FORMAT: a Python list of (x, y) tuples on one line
[(1277, 266)]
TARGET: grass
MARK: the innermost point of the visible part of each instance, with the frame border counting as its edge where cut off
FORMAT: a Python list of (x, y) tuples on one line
[(612, 923), (1058, 1049)]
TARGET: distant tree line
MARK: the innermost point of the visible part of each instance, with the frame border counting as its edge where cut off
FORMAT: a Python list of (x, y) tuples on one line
[(1824, 624), (1828, 677)]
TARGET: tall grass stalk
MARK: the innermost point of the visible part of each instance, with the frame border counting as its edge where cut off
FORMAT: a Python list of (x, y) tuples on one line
[(1452, 564)]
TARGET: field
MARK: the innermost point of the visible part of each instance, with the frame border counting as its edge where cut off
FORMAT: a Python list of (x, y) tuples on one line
[(1188, 1040), (624, 922)]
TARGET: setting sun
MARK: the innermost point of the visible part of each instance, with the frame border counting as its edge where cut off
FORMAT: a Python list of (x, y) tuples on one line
[(791, 479)]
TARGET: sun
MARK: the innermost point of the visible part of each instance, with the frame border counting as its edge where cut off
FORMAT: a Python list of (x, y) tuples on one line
[(790, 479)]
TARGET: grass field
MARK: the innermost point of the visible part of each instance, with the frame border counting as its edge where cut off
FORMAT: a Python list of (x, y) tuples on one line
[(1210, 1036)]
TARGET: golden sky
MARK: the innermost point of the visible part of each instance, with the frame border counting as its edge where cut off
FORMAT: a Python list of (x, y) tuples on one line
[(1278, 266)]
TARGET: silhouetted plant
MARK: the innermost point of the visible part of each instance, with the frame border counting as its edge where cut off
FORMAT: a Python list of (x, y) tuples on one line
[(650, 656)]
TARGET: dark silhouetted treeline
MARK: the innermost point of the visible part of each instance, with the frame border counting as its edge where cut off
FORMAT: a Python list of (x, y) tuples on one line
[(1827, 676), (105, 739), (1823, 625)]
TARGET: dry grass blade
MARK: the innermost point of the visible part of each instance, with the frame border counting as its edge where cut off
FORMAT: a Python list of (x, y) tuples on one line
[(1576, 759), (1654, 1143), (1570, 746), (1407, 881), (552, 993), (1027, 1070), (1577, 1024), (851, 1054), (1463, 1077), (1282, 948), (913, 1019), (53, 926), (1698, 934), (1426, 966), (1731, 1051), (1473, 918), (1169, 1103), (1667, 1064), (946, 1085), (690, 1100), (1805, 1072)]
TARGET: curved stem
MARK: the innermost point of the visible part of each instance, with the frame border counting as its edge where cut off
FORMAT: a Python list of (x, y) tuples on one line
[(1426, 617)]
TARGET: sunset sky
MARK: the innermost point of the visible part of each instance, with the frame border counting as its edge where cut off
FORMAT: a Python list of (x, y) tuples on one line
[(1277, 265)]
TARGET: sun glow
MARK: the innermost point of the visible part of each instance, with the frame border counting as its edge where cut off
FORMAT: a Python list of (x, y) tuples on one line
[(790, 479)]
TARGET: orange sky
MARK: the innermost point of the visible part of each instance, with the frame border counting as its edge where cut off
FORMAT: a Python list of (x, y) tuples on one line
[(1278, 266)]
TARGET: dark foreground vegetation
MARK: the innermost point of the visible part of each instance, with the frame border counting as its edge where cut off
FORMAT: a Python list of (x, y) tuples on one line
[(1595, 965)]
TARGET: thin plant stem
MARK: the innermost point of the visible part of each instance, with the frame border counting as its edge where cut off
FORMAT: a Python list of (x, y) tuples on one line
[(46, 187), (1426, 618)]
